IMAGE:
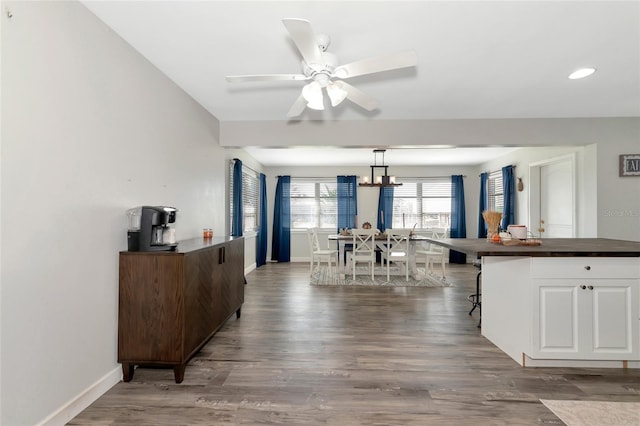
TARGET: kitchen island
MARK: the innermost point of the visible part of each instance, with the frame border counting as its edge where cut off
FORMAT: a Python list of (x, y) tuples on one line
[(570, 302)]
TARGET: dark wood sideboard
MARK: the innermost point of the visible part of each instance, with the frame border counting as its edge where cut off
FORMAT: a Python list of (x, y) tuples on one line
[(172, 303)]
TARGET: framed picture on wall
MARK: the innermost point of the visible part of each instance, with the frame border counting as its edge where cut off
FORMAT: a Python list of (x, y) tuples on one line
[(629, 165)]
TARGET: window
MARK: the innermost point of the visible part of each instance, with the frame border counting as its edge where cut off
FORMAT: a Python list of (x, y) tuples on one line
[(424, 202), (314, 203), (250, 196), (495, 197)]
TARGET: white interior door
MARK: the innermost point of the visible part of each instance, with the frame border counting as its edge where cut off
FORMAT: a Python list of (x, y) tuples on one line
[(557, 200)]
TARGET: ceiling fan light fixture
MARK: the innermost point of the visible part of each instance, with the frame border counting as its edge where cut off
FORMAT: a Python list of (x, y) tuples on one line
[(581, 73), (336, 93), (322, 66), (312, 93)]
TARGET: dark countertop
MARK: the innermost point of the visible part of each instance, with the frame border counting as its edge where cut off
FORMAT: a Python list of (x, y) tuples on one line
[(550, 247), (187, 246)]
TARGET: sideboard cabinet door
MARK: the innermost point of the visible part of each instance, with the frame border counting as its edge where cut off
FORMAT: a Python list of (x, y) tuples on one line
[(202, 290), (150, 308), (233, 277)]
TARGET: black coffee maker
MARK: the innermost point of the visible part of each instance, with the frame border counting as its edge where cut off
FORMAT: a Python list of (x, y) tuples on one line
[(149, 228)]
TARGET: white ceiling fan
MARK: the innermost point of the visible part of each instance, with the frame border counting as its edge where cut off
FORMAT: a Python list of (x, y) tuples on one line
[(322, 68)]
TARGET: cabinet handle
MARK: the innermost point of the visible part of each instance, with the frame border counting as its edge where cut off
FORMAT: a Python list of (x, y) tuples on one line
[(590, 287), (588, 268), (584, 287)]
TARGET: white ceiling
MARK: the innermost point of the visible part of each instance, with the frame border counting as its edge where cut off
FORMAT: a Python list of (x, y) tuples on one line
[(476, 59)]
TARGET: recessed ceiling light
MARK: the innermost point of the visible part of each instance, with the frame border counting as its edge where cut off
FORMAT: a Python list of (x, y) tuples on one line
[(581, 73)]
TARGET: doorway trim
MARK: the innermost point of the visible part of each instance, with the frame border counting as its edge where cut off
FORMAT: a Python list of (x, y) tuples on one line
[(534, 191)]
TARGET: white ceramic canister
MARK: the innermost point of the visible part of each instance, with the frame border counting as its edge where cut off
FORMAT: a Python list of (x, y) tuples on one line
[(518, 231)]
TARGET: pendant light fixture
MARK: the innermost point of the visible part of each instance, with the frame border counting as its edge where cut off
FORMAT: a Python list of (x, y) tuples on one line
[(379, 180)]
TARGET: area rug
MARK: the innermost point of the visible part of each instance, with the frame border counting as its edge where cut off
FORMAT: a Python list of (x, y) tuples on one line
[(363, 278), (583, 413)]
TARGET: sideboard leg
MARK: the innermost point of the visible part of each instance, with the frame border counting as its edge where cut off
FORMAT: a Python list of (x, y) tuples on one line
[(239, 312), (178, 372), (127, 372)]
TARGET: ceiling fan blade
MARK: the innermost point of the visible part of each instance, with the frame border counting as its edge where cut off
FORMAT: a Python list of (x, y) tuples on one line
[(357, 96), (266, 77), (377, 64), (298, 107), (304, 38)]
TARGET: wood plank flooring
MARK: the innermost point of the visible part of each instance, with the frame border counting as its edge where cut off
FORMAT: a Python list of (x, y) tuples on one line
[(307, 355)]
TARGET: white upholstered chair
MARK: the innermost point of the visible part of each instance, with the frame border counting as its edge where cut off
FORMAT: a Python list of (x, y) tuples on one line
[(397, 249), (318, 255), (433, 253), (364, 249)]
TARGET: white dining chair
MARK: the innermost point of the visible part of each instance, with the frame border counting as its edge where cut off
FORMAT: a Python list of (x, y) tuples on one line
[(433, 253), (318, 254), (396, 250), (364, 249)]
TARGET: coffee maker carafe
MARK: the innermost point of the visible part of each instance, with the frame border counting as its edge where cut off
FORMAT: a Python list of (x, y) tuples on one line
[(148, 226)]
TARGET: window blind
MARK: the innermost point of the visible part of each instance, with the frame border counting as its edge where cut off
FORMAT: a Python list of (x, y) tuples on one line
[(250, 198), (423, 202), (495, 197), (314, 203)]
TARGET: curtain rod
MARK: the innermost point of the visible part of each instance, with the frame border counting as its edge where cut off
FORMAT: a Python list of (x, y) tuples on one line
[(496, 171), (243, 165)]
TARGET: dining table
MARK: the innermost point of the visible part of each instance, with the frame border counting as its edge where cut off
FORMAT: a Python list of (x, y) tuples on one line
[(343, 240)]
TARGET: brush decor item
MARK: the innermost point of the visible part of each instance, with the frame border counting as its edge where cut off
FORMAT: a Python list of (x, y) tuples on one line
[(492, 219)]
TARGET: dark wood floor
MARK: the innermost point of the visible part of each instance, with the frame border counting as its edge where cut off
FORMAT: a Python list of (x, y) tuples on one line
[(306, 355)]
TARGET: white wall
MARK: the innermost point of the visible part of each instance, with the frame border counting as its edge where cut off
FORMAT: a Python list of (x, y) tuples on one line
[(618, 212), (524, 157), (534, 132), (89, 129)]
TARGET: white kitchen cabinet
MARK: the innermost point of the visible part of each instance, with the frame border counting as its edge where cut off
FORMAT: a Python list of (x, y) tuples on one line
[(563, 311), (586, 318)]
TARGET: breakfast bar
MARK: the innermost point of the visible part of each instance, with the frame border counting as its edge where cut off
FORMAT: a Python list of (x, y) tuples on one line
[(569, 302)]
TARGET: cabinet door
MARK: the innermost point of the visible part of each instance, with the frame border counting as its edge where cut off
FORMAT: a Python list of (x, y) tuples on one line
[(614, 316), (233, 276), (556, 318), (150, 313), (585, 319), (202, 292)]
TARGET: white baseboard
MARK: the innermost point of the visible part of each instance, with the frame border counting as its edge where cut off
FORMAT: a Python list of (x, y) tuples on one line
[(84, 399), (249, 268), (569, 363)]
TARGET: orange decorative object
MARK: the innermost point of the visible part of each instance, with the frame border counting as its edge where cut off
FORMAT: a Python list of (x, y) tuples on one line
[(496, 238)]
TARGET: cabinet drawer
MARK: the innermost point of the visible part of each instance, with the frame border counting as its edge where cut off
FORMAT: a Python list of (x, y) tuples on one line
[(585, 267)]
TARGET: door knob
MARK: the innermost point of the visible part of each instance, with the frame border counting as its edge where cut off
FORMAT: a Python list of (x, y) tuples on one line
[(584, 287), (541, 221), (590, 287)]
